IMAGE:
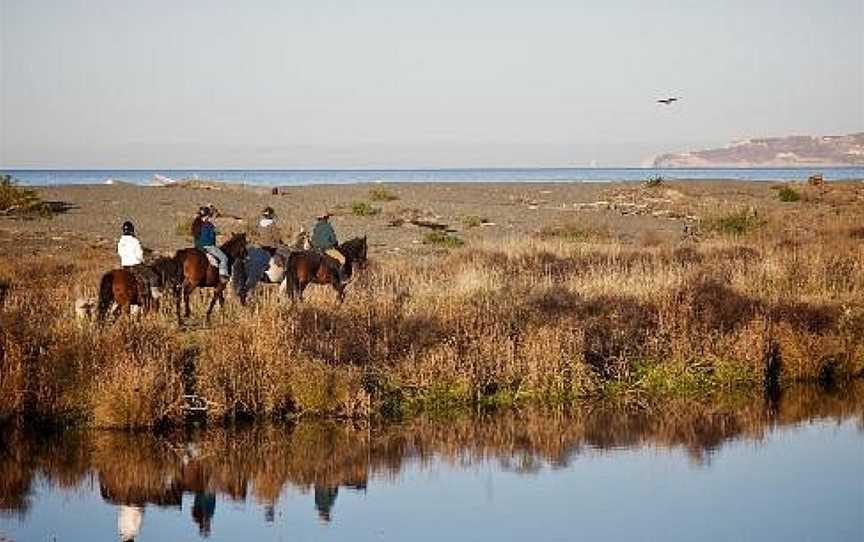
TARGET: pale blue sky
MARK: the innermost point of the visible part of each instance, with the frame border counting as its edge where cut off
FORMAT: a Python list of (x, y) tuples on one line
[(339, 83)]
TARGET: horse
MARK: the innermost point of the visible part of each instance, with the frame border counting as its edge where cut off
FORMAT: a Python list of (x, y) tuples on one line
[(265, 265), (313, 267), (195, 271), (121, 287)]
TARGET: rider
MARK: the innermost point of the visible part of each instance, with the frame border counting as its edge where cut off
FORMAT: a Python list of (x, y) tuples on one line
[(268, 218), (204, 233), (324, 239), (132, 258), (269, 233)]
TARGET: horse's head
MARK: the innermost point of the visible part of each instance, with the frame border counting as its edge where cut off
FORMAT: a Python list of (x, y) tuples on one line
[(235, 248), (355, 250)]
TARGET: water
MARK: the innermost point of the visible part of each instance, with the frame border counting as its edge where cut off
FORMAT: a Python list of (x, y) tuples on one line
[(339, 176), (787, 469)]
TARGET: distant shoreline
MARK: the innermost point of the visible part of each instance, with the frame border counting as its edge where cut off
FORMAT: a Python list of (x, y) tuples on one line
[(313, 177)]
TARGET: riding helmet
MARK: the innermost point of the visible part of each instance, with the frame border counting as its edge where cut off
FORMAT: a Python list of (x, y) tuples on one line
[(128, 228), (204, 211), (268, 212)]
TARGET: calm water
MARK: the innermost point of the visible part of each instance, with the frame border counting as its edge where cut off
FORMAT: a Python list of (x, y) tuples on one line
[(305, 177), (788, 469)]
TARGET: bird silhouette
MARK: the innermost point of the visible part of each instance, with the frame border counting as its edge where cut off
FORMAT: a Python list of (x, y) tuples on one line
[(668, 101)]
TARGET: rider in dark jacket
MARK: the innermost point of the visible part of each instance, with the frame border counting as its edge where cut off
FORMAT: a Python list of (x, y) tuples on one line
[(324, 239)]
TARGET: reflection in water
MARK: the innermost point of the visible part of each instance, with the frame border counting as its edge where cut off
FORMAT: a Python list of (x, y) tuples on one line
[(129, 521), (136, 471)]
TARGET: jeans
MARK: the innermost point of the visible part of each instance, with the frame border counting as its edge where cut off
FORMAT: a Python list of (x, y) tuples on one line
[(217, 253)]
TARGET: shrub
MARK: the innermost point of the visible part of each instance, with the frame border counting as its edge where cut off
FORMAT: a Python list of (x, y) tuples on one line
[(382, 194), (442, 238), (183, 228), (788, 194), (574, 233), (362, 208), (474, 221), (654, 182), (735, 224), (15, 198)]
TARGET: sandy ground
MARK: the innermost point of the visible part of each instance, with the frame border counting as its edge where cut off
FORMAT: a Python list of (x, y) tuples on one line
[(624, 212)]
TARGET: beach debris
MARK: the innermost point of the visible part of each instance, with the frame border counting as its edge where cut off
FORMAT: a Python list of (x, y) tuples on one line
[(161, 180), (416, 217)]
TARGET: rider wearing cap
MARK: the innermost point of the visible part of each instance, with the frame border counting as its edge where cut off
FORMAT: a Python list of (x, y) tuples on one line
[(132, 258), (204, 233), (324, 239), (268, 232)]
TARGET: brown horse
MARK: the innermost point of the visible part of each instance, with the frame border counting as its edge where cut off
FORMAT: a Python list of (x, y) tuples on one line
[(195, 271), (120, 286), (313, 267)]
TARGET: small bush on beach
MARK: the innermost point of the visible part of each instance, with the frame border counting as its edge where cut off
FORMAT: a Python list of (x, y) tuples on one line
[(442, 238), (363, 208), (474, 221), (17, 199), (788, 194), (734, 224), (183, 228), (654, 182), (382, 194), (573, 233)]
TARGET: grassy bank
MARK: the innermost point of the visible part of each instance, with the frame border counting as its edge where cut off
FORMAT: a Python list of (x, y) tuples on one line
[(527, 321)]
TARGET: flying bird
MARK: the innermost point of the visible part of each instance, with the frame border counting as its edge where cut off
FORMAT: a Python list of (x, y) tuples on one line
[(668, 101)]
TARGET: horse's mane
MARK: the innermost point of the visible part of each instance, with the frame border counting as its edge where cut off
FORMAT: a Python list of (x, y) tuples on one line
[(353, 243), (235, 238)]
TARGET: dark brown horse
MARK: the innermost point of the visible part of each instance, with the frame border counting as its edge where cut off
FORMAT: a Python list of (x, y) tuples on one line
[(195, 271), (121, 287), (314, 267)]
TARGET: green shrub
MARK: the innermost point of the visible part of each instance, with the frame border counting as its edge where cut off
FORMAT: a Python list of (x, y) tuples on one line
[(474, 221), (654, 182), (573, 233), (788, 194), (18, 199), (183, 228), (382, 194), (362, 208), (442, 238), (735, 224)]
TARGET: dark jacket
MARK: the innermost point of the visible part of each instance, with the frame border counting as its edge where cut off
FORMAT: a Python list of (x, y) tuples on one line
[(323, 236), (206, 235)]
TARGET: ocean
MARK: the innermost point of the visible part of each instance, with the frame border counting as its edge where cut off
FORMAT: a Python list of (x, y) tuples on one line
[(299, 177)]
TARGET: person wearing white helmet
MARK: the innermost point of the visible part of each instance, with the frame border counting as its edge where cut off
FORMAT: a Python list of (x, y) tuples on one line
[(132, 259)]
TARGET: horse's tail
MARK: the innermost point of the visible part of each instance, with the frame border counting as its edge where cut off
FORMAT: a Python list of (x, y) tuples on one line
[(106, 295)]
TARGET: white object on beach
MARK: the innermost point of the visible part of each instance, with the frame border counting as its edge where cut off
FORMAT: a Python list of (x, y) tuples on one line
[(162, 180)]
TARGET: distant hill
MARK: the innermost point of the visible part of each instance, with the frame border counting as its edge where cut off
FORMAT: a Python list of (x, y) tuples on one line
[(846, 150)]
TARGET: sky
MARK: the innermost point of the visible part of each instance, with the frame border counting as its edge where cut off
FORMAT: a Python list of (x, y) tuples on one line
[(401, 84)]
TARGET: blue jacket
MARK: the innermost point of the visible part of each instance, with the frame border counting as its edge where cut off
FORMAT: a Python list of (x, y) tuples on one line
[(207, 236)]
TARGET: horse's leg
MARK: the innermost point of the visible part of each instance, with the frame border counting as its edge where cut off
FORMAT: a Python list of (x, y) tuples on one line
[(339, 286), (178, 293), (217, 291), (187, 291)]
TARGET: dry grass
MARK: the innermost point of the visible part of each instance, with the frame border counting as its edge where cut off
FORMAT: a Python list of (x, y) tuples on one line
[(512, 322)]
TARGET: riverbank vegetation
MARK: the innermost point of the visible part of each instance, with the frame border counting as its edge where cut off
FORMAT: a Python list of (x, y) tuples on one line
[(525, 321)]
